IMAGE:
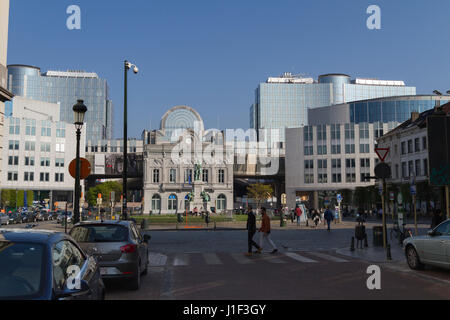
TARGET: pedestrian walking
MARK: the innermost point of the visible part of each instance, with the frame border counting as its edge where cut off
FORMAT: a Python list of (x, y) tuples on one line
[(316, 217), (251, 229), (328, 217), (298, 214), (286, 212), (264, 232)]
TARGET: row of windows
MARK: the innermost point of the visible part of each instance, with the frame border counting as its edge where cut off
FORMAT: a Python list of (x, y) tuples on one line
[(411, 146), (188, 178), (412, 168), (29, 176), (349, 130), (336, 149), (29, 161), (31, 146), (111, 149), (30, 127), (336, 178), (172, 202)]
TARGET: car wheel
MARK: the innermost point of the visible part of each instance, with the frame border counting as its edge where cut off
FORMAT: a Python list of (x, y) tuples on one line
[(413, 259), (136, 281)]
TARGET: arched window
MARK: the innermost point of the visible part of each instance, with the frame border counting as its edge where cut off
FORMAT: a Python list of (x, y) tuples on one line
[(172, 202), (221, 203), (156, 202)]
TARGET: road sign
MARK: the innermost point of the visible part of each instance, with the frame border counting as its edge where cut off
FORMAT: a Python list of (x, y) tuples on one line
[(339, 198), (99, 201), (382, 153), (400, 199), (383, 171), (391, 196), (85, 168), (413, 190)]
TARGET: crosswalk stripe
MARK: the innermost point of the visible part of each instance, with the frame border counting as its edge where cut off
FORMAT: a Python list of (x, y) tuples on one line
[(240, 258), (298, 257), (211, 258), (156, 260), (181, 260), (272, 259), (327, 257)]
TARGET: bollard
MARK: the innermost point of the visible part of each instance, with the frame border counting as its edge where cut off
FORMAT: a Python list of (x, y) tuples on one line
[(352, 246), (388, 252), (214, 226), (366, 243)]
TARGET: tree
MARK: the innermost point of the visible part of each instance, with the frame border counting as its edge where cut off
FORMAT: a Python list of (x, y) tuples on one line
[(105, 189), (260, 192)]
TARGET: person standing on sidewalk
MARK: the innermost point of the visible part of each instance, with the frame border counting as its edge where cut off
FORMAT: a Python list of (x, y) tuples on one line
[(328, 216), (264, 231), (251, 228), (298, 213)]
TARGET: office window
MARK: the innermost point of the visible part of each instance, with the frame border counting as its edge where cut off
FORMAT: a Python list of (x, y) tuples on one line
[(13, 176), (321, 133), (418, 169), (411, 168), (308, 133), (155, 175), (30, 127), (14, 126), (335, 132), (309, 151), (46, 128), (322, 164), (61, 130), (59, 177), (29, 161), (365, 163), (221, 175), (322, 178), (416, 144), (44, 177), (349, 131), (188, 176), (309, 164), (410, 146), (60, 147), (172, 202), (45, 147), (364, 148), (28, 176), (349, 148), (30, 146), (350, 163), (364, 130), (336, 163), (404, 170), (335, 149), (205, 175), (309, 178), (378, 129), (403, 147), (350, 177), (321, 149), (59, 162), (13, 145), (45, 162), (13, 160), (336, 178)]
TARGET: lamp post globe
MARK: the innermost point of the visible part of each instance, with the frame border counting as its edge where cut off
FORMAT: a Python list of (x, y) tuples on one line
[(79, 110)]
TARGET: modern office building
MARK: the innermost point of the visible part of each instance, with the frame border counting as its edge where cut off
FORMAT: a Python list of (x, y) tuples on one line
[(38, 150), (5, 95), (171, 156), (337, 150), (283, 102), (66, 88)]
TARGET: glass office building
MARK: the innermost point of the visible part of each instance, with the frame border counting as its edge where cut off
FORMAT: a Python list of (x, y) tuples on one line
[(283, 102), (66, 88), (382, 110)]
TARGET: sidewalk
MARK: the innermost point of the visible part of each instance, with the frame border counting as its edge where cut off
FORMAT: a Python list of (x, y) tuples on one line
[(374, 254)]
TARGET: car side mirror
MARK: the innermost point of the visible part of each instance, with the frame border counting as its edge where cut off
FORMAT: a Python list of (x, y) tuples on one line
[(84, 289), (431, 233), (147, 238)]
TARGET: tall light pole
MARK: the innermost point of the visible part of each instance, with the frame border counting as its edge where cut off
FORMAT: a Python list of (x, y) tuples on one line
[(127, 66), (79, 110)]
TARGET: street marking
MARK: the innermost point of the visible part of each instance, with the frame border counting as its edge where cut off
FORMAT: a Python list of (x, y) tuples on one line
[(327, 257), (181, 260), (272, 259), (211, 258), (156, 259), (298, 257), (240, 258)]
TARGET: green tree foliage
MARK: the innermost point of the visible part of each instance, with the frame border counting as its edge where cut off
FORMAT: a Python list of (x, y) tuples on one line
[(11, 198), (260, 192), (105, 189)]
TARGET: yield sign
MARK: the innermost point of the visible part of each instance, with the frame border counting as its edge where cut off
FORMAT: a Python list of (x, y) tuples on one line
[(382, 153)]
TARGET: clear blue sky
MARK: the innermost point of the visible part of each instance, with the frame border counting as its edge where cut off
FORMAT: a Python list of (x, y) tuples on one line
[(211, 54)]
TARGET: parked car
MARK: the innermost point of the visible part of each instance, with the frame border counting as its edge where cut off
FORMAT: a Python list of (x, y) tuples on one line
[(52, 215), (431, 249), (15, 218), (4, 219), (34, 265), (121, 249), (61, 217)]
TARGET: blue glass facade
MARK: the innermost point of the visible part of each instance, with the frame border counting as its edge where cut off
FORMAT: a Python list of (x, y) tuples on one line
[(285, 105), (396, 109), (28, 82)]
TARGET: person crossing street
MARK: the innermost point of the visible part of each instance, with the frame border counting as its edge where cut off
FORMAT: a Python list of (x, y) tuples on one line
[(328, 216), (264, 232), (251, 228)]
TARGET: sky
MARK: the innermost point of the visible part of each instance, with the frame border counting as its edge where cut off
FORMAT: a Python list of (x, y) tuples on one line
[(212, 54)]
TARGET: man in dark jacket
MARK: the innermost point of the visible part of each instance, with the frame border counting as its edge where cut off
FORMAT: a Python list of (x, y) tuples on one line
[(328, 216), (251, 228)]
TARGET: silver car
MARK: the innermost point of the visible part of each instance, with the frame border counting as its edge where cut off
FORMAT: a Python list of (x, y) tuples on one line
[(432, 249), (4, 219), (121, 249)]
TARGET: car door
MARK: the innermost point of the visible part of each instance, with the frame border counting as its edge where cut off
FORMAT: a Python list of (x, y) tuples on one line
[(436, 247), (142, 246)]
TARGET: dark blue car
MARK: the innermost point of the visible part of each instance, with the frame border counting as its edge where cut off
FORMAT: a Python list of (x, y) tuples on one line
[(46, 265)]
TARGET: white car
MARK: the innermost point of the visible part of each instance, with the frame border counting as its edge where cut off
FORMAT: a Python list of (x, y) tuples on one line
[(432, 249)]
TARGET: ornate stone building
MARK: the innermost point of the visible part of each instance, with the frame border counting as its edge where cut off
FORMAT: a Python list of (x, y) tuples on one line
[(186, 166)]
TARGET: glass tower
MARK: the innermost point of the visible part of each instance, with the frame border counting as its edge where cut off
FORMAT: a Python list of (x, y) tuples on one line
[(283, 102), (66, 88)]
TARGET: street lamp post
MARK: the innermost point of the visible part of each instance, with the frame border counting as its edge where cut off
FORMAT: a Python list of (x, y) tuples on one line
[(79, 110), (127, 66)]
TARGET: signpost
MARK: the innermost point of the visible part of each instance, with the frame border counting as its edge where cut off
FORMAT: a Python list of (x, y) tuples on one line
[(391, 199), (99, 202), (383, 172), (339, 200), (413, 193)]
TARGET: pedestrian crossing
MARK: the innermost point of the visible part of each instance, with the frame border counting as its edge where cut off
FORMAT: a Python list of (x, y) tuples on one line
[(217, 259)]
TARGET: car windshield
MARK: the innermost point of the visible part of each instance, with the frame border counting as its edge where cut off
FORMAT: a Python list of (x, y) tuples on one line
[(21, 267), (100, 233)]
